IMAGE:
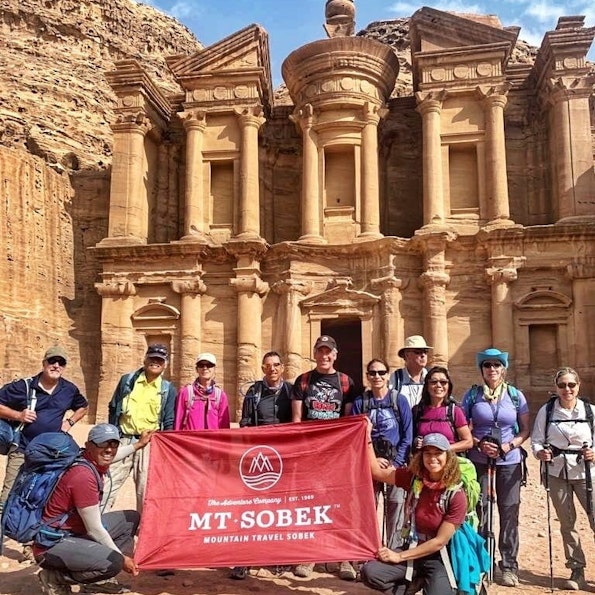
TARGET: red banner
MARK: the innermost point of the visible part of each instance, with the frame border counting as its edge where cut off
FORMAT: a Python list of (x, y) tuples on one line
[(259, 496)]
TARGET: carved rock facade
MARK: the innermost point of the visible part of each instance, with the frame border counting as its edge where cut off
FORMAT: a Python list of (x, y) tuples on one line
[(462, 210)]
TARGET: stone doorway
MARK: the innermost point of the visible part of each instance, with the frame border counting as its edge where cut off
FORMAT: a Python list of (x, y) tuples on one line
[(347, 332)]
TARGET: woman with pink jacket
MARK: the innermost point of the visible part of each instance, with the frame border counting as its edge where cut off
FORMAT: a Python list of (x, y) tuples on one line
[(202, 405)]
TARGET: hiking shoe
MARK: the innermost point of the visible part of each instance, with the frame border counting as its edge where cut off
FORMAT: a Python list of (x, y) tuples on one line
[(239, 573), (28, 557), (53, 583), (303, 570), (347, 571), (110, 585), (509, 578), (576, 582)]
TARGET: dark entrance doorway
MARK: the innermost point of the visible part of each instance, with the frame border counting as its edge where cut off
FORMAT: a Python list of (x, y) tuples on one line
[(347, 332)]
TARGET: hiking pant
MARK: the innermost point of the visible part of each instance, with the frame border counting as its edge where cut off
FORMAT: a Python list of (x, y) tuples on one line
[(14, 461), (390, 578), (138, 464), (562, 493), (508, 501), (82, 560), (394, 513)]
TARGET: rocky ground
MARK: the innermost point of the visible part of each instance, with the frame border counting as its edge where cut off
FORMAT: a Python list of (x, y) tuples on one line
[(19, 579)]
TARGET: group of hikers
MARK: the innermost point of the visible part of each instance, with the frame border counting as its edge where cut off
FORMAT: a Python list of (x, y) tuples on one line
[(421, 445)]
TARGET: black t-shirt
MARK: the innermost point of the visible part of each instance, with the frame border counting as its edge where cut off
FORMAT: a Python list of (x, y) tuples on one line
[(323, 395)]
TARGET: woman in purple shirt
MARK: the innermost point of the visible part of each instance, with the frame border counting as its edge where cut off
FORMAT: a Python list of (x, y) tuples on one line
[(438, 412), (499, 419)]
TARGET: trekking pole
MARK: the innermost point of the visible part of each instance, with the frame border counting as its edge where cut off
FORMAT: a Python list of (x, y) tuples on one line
[(589, 484), (491, 540), (546, 485), (384, 515)]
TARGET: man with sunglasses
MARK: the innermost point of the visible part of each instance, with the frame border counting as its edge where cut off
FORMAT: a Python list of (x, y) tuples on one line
[(409, 380), (143, 400), (37, 405), (97, 546)]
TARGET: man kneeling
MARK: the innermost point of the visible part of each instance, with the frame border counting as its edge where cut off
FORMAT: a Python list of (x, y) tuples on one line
[(97, 546)]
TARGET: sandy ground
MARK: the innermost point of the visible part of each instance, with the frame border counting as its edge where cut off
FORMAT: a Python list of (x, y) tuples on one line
[(17, 578)]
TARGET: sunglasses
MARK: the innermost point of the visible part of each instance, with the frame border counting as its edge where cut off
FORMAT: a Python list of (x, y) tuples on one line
[(566, 384), (107, 444), (205, 365), (440, 382), (270, 366), (488, 365), (56, 360), (377, 373)]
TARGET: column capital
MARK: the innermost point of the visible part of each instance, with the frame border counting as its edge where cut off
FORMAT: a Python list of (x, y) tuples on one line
[(372, 113), (389, 282), (250, 116), (565, 88), (132, 122), (433, 279), (249, 284), (494, 94), (195, 286), (116, 288), (430, 101), (194, 119), (304, 117), (286, 286), (501, 275)]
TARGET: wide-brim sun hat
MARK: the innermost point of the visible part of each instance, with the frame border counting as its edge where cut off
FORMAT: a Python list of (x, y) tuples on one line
[(414, 342), (492, 354)]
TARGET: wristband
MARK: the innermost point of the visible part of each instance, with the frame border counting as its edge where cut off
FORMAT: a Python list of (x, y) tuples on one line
[(71, 421)]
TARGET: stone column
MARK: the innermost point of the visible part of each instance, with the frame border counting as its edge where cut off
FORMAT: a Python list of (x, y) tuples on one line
[(311, 219), (582, 346), (571, 150), (250, 289), (392, 321), (430, 108), (191, 291), (291, 292), (117, 339), (249, 220), (497, 187), (370, 218), (128, 216), (503, 331), (435, 322), (194, 201)]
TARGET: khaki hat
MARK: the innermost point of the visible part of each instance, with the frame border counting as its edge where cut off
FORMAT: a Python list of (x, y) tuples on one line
[(414, 342), (55, 351)]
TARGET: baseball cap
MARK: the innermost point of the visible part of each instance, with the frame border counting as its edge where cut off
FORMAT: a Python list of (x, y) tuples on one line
[(206, 357), (325, 341), (103, 432), (435, 439), (157, 350), (55, 351)]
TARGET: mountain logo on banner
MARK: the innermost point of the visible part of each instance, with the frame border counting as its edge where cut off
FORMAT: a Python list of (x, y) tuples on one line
[(261, 467)]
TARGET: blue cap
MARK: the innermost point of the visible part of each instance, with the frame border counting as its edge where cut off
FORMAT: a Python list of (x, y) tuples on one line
[(435, 439), (490, 355)]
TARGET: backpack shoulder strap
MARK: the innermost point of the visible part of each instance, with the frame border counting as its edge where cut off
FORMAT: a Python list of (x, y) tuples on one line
[(589, 415), (366, 401), (450, 417), (305, 381), (549, 412), (343, 382), (394, 401), (217, 392)]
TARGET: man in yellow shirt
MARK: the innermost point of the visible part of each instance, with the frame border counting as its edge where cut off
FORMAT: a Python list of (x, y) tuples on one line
[(143, 400)]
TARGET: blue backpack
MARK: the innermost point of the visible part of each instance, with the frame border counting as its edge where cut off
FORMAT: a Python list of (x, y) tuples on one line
[(47, 457)]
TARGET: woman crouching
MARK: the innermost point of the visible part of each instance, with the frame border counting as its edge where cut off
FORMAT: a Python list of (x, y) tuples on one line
[(434, 510)]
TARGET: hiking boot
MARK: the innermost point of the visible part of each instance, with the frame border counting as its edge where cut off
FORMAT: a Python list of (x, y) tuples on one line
[(576, 582), (347, 571), (509, 578), (239, 573), (53, 583), (303, 570), (110, 585)]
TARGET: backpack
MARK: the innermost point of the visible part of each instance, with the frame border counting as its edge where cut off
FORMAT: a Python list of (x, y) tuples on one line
[(549, 411), (47, 457), (450, 416), (394, 395), (477, 390), (255, 396), (396, 380), (190, 402), (10, 435), (343, 381)]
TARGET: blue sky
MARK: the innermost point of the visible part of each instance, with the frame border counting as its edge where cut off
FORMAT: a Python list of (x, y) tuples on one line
[(291, 24)]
